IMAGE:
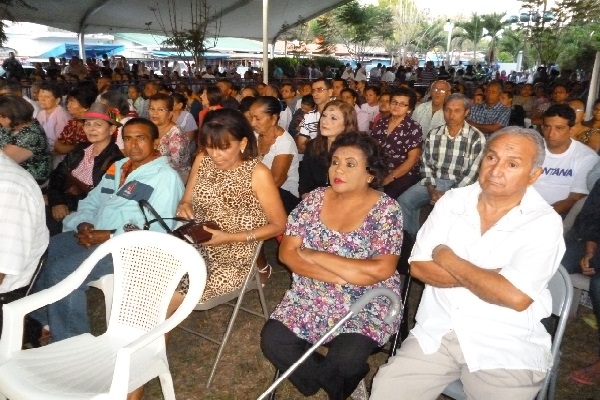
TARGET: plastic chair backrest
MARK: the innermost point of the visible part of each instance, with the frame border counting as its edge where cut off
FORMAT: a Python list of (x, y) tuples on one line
[(148, 267), (561, 289)]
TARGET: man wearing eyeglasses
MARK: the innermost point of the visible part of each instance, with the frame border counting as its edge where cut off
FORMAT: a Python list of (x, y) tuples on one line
[(450, 159), (321, 92), (430, 114)]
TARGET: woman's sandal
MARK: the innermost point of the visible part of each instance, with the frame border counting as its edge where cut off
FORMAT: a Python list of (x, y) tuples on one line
[(264, 274), (586, 376)]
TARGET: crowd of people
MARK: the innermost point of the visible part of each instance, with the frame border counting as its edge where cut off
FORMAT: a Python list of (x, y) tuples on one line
[(353, 165)]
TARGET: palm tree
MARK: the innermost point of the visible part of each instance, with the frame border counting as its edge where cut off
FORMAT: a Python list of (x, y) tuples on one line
[(472, 30), (493, 24)]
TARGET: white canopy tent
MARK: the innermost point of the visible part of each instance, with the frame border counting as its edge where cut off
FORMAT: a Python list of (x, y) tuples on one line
[(252, 19)]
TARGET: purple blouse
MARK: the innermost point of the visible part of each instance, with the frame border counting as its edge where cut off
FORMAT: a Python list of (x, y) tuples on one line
[(404, 138)]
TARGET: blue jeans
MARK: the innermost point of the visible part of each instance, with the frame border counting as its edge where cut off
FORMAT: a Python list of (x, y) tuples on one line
[(68, 316), (574, 253), (413, 199)]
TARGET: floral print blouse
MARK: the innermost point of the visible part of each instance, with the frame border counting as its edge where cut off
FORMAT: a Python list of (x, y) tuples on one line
[(32, 138), (73, 133), (404, 138), (175, 146), (311, 307)]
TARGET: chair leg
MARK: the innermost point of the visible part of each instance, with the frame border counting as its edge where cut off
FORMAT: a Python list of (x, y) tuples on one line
[(575, 303), (166, 384), (236, 309), (277, 374), (261, 295)]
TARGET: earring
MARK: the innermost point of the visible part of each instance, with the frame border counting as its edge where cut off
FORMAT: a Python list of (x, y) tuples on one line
[(370, 180)]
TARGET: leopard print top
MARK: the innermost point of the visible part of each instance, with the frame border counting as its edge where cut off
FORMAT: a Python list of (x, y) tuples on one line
[(226, 198)]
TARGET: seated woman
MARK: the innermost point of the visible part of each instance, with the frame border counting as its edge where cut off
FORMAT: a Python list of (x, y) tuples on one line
[(212, 99), (53, 117), (402, 139), (277, 148), (584, 134), (350, 96), (119, 106), (173, 142), (182, 117), (79, 100), (83, 168), (229, 186), (582, 256), (338, 117), (22, 138), (595, 121), (339, 242), (384, 109)]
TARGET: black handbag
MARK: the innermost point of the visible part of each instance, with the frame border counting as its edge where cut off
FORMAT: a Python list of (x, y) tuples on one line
[(191, 231)]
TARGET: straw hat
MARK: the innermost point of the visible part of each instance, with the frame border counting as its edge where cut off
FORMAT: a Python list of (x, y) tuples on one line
[(103, 112)]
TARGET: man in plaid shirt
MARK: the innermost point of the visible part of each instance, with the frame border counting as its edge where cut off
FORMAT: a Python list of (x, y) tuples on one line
[(492, 115), (451, 156)]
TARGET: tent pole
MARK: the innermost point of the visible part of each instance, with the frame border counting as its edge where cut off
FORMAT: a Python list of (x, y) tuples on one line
[(266, 41), (593, 91), (81, 36)]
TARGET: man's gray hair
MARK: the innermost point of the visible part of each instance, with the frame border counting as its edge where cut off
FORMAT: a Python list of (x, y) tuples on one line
[(461, 97), (529, 134)]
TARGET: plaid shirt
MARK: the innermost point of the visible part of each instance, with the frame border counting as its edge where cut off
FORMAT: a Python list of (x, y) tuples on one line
[(496, 114), (456, 159)]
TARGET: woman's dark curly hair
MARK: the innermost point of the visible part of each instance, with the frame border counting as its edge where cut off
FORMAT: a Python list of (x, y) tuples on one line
[(377, 164)]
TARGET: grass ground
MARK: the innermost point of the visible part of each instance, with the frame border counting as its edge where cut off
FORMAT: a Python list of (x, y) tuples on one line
[(243, 373)]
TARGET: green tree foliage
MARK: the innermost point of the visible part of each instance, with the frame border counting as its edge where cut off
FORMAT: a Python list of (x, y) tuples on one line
[(6, 7), (493, 24), (472, 30), (431, 36), (190, 33), (358, 27)]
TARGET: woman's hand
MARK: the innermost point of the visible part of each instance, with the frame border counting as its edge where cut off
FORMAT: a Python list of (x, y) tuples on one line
[(59, 212), (184, 210), (218, 237), (585, 265), (388, 179)]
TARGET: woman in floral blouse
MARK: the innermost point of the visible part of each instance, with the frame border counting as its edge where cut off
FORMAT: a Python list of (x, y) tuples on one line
[(173, 142), (22, 138), (402, 139), (339, 242)]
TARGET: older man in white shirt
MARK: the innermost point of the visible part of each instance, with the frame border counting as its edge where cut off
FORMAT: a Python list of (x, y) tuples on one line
[(431, 113), (486, 255)]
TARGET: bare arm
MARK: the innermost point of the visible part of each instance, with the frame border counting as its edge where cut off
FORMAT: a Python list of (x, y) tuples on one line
[(412, 158), (2, 278), (355, 271), (184, 209), (486, 284), (433, 274), (301, 143), (289, 254), (485, 128), (563, 206), (18, 154), (61, 147), (280, 167)]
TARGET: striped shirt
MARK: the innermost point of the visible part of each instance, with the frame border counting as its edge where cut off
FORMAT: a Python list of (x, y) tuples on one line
[(455, 159), (308, 126), (496, 114), (23, 233)]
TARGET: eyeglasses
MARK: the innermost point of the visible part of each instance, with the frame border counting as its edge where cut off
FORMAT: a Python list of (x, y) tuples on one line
[(319, 90), (394, 103), (437, 90)]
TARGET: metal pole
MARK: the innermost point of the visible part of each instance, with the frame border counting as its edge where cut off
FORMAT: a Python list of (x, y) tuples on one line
[(594, 82), (266, 41), (81, 36)]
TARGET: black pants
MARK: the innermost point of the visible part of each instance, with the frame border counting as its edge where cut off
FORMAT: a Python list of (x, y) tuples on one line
[(338, 373), (289, 200)]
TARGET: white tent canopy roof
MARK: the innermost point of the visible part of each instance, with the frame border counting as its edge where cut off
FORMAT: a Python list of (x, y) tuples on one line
[(239, 18)]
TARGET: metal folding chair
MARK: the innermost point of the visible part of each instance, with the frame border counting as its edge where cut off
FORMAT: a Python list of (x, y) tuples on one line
[(394, 310), (561, 290), (251, 282)]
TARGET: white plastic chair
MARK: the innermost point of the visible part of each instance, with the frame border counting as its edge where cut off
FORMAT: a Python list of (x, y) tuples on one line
[(561, 290), (147, 269), (251, 282)]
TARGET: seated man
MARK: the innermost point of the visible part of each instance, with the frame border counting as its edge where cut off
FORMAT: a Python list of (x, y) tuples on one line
[(23, 225), (491, 115), (430, 114), (450, 158), (567, 162), (486, 255), (112, 204), (582, 256)]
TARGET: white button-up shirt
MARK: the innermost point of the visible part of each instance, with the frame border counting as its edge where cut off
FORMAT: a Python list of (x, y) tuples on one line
[(527, 245)]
